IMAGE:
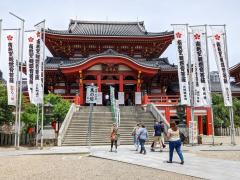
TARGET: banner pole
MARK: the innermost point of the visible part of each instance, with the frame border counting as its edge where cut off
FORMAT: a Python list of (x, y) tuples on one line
[(43, 79), (233, 142), (209, 82), (191, 94), (20, 91), (37, 127), (17, 90)]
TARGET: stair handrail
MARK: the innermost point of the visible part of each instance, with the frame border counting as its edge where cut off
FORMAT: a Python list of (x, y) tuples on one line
[(157, 114), (65, 124)]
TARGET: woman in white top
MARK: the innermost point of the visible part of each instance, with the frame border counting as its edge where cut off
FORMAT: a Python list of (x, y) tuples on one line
[(174, 142)]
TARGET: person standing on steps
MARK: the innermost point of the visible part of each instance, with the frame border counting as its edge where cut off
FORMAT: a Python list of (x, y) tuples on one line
[(114, 137), (174, 142), (143, 137), (135, 136)]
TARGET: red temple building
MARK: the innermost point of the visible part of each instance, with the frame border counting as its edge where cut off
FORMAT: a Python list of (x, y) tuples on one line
[(119, 54)]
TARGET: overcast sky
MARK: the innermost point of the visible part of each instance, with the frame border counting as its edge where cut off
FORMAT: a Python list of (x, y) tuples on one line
[(158, 16)]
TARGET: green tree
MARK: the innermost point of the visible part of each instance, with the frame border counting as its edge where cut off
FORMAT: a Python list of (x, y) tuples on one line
[(221, 113), (6, 115), (60, 106), (29, 115)]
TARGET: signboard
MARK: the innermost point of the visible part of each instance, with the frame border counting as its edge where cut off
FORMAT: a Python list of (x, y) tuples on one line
[(193, 132), (121, 97), (138, 98), (92, 94), (99, 98)]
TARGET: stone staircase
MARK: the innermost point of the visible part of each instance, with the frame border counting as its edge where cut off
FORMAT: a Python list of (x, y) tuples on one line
[(77, 132)]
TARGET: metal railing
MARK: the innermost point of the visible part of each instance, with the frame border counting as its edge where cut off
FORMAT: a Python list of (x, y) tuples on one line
[(115, 111), (158, 115), (65, 124)]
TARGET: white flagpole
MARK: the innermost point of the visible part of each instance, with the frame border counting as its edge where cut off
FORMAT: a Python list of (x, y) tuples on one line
[(17, 93), (191, 94), (209, 82), (233, 142), (20, 93), (37, 127)]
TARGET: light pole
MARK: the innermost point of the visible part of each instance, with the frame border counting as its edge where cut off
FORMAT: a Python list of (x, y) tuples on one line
[(21, 67)]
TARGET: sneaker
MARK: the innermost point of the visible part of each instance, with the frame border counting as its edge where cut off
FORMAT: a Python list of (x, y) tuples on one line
[(153, 150), (169, 161), (182, 162)]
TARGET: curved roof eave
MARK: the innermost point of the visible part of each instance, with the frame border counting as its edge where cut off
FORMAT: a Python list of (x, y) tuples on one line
[(117, 56), (151, 35)]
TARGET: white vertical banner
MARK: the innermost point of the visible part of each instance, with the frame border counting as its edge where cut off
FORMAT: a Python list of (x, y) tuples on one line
[(219, 47), (138, 98), (38, 67), (12, 54), (181, 40), (199, 54), (31, 39), (121, 97)]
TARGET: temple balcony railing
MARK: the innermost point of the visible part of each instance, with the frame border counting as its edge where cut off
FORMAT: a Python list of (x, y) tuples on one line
[(161, 99)]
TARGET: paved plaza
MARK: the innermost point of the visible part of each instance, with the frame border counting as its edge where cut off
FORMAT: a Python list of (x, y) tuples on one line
[(201, 162)]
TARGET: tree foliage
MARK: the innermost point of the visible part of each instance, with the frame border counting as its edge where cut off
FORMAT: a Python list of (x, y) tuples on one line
[(6, 115), (60, 106), (221, 113)]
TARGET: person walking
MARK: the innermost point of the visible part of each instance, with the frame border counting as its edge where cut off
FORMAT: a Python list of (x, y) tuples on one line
[(135, 136), (114, 137), (174, 142), (157, 136), (143, 136), (162, 134)]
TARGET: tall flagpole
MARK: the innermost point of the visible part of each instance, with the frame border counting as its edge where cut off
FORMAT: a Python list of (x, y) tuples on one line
[(17, 92), (43, 77), (231, 114), (37, 126), (21, 66), (209, 82), (191, 94)]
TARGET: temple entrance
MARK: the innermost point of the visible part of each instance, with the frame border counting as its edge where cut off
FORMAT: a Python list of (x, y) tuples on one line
[(129, 91), (106, 93)]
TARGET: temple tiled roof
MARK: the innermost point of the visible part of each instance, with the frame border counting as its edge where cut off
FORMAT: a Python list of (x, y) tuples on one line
[(216, 87), (107, 28), (158, 63)]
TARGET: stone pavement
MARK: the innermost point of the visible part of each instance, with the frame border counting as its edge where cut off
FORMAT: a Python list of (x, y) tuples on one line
[(45, 151), (202, 167), (206, 168)]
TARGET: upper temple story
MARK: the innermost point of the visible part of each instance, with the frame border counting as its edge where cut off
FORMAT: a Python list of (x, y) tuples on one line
[(85, 38)]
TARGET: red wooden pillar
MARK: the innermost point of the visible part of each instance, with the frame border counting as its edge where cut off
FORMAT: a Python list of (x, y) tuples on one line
[(209, 121), (200, 125), (188, 115), (167, 114), (81, 88), (99, 83), (138, 89), (121, 83)]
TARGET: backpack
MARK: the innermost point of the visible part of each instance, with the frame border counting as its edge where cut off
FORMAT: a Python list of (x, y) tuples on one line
[(182, 136)]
